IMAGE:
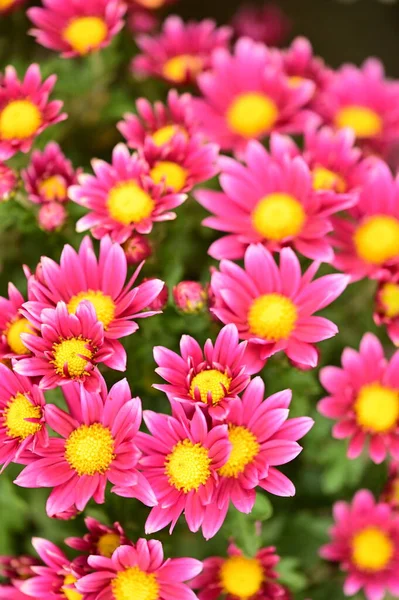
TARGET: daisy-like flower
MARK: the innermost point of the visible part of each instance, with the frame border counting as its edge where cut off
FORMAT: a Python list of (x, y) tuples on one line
[(122, 197), (101, 540), (13, 324), (77, 28), (368, 244), (140, 569), (270, 200), (266, 23), (238, 576), (7, 6), (273, 306), (364, 399), (25, 110), (365, 541), (8, 182), (247, 95), (181, 458), (97, 445), (387, 306), (181, 51)]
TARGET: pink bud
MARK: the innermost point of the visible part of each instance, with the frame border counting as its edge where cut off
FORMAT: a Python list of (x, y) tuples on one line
[(162, 299), (190, 297), (52, 216), (140, 20), (137, 248)]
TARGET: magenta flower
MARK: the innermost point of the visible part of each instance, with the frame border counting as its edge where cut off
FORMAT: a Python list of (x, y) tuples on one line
[(137, 248), (75, 28), (11, 592), (190, 297), (52, 216), (25, 110), (273, 306), (97, 445), (140, 568), (266, 23), (139, 19), (365, 541), (8, 182), (181, 51), (122, 198), (387, 305), (100, 540), (364, 399), (13, 324)]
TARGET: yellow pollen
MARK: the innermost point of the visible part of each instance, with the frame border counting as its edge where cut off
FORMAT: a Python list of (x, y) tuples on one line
[(69, 593), (377, 407), (187, 466), (278, 216), (151, 3), (20, 119), (85, 34), (165, 134), (244, 449), (324, 179), (17, 410), (71, 355), (364, 121), (252, 114), (6, 3), (53, 188), (272, 317), (241, 577), (390, 299), (372, 549), (108, 543), (103, 305), (129, 203), (377, 239), (177, 68), (211, 381), (13, 335), (295, 81), (90, 449), (135, 584), (172, 174)]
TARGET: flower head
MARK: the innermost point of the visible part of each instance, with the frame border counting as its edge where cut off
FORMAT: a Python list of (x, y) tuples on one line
[(8, 182), (190, 297), (13, 324), (387, 305), (101, 540), (266, 23), (140, 19), (137, 248), (52, 216), (16, 569)]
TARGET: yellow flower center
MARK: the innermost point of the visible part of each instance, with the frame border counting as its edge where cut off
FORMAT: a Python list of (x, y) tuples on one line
[(19, 409), (151, 3), (390, 299), (90, 449), (20, 119), (165, 134), (244, 449), (187, 466), (377, 239), (377, 407), (372, 549), (177, 68), (241, 577), (13, 335), (6, 3), (103, 305), (135, 584), (324, 179), (53, 188), (172, 174), (252, 114), (72, 356), (84, 34), (108, 543), (129, 203), (395, 491), (210, 381), (272, 317), (69, 593), (278, 216), (364, 121)]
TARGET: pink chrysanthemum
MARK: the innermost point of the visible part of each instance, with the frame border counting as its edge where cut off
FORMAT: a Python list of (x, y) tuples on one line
[(239, 576), (246, 95), (181, 51), (8, 182), (97, 445), (190, 297), (13, 324), (101, 540), (387, 305), (365, 541), (140, 569), (181, 460), (77, 28), (368, 244), (266, 23), (7, 6), (25, 110), (364, 399), (273, 306), (122, 197), (270, 200)]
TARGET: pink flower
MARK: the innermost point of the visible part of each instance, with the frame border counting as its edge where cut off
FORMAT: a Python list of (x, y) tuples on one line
[(387, 305), (75, 28), (13, 324), (139, 567), (122, 198), (140, 20), (181, 458), (270, 200), (273, 306), (97, 445), (210, 378), (8, 6), (161, 301), (181, 51), (190, 297), (246, 95), (17, 567), (365, 541), (8, 182), (137, 248), (364, 399), (11, 592), (101, 540), (266, 23), (52, 216)]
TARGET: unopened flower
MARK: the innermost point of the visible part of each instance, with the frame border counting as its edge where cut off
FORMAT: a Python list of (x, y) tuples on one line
[(52, 216), (190, 297), (266, 23), (137, 248), (8, 182)]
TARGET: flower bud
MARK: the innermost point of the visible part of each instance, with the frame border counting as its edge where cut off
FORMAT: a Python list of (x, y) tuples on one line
[(190, 297), (52, 216), (137, 248)]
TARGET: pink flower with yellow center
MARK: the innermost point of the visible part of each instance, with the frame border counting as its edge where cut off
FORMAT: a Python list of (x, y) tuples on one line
[(8, 182), (139, 572), (181, 51), (364, 399), (101, 540), (122, 197), (97, 444), (77, 28), (271, 199), (25, 110), (13, 324), (387, 305), (7, 6), (365, 542), (272, 306), (181, 458), (266, 23)]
